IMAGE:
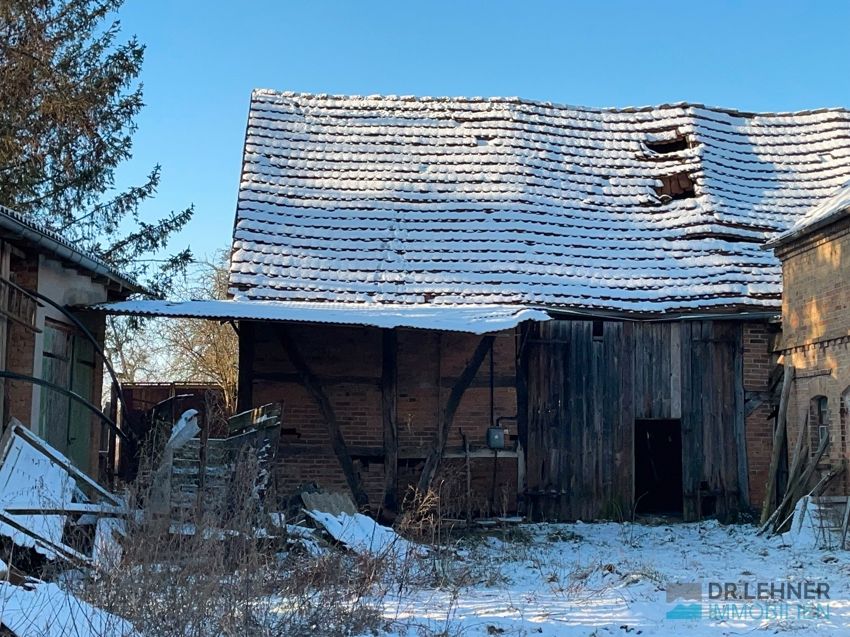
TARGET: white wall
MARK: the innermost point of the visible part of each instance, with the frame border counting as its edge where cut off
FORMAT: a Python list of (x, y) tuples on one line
[(66, 287)]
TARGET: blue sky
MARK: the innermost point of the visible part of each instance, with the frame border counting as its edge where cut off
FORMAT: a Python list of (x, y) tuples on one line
[(204, 57)]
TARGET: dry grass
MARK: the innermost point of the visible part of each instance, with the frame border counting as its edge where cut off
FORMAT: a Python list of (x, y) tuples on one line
[(219, 572)]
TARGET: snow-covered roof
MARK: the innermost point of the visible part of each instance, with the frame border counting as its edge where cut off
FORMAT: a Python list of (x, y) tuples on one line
[(15, 224), (444, 201), (823, 214), (476, 319)]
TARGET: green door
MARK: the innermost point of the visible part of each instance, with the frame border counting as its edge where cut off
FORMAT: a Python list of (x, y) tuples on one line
[(80, 418), (56, 369), (69, 362)]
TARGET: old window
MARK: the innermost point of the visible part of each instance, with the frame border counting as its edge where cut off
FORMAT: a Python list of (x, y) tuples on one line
[(819, 418), (675, 186), (598, 329)]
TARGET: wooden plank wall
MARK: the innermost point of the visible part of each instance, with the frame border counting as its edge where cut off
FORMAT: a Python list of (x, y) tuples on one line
[(579, 410), (581, 394), (713, 446)]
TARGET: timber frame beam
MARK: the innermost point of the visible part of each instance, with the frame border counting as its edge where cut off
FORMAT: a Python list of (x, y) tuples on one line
[(314, 387), (435, 456), (389, 401)]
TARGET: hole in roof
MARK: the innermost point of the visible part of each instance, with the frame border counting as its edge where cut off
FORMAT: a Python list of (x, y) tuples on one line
[(666, 146), (675, 186), (484, 140)]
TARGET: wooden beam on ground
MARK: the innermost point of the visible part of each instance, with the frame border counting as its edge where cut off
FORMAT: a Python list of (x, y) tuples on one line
[(72, 508), (17, 428), (778, 443), (795, 491), (389, 400), (62, 550), (799, 454), (432, 462), (337, 440)]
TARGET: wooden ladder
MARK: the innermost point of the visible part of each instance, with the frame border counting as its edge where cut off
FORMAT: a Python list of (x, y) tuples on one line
[(832, 513)]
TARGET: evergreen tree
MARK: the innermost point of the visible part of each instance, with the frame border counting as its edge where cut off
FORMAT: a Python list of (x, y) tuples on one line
[(69, 94)]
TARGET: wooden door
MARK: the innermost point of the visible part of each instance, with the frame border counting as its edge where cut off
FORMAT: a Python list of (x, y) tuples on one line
[(80, 418), (579, 418), (56, 368)]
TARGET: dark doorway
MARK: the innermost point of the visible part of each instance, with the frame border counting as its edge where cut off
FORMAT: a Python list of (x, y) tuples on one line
[(658, 466)]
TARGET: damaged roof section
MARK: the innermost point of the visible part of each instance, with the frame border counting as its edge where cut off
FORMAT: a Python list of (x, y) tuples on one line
[(458, 201)]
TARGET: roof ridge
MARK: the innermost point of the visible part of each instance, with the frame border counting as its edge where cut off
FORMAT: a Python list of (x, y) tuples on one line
[(545, 103)]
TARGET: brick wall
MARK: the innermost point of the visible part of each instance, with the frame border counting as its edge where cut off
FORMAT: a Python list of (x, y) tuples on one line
[(20, 347), (816, 282), (816, 335), (348, 362), (758, 363)]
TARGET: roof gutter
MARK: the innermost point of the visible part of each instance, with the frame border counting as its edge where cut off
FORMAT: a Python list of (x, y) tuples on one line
[(646, 317), (54, 244)]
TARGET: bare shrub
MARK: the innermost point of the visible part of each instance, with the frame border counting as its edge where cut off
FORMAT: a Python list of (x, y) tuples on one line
[(218, 571)]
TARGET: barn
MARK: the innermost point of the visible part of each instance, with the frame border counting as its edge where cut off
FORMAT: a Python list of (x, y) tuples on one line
[(560, 311)]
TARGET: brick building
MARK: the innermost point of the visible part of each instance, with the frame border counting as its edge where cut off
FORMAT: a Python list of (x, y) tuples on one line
[(815, 254), (42, 346), (412, 276)]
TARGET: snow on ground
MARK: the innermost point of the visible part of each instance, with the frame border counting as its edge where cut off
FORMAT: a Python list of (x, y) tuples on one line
[(46, 610), (613, 579)]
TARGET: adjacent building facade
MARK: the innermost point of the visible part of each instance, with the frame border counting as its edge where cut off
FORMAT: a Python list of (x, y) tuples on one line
[(42, 346), (815, 254)]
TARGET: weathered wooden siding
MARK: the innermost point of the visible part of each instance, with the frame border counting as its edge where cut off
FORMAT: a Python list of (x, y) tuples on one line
[(713, 446), (581, 394), (579, 415)]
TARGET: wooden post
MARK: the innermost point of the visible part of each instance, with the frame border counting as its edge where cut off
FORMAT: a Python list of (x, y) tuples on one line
[(314, 387), (389, 393), (521, 367), (468, 467), (4, 323), (245, 382), (778, 442), (432, 462)]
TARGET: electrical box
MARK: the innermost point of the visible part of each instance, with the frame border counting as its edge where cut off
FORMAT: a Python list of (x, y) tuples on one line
[(496, 438)]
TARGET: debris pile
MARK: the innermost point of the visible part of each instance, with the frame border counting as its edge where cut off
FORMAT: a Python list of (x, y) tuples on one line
[(55, 520), (51, 513), (337, 515)]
